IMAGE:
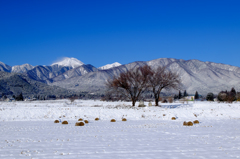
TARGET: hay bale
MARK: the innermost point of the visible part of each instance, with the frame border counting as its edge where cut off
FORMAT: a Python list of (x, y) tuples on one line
[(113, 120), (124, 119), (170, 99), (164, 101), (196, 122), (190, 123), (185, 123), (164, 114), (56, 121), (65, 122), (80, 119), (79, 124), (173, 118), (86, 121), (96, 119)]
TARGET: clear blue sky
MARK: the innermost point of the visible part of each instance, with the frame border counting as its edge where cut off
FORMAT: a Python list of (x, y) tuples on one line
[(100, 32)]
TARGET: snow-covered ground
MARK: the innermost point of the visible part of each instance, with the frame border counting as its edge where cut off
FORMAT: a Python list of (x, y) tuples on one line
[(28, 130)]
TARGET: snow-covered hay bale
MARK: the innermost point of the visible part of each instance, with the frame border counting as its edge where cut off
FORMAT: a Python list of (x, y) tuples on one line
[(79, 124), (113, 120), (190, 123), (173, 118), (65, 122), (185, 123), (196, 122), (86, 121), (80, 119), (56, 121), (124, 119), (96, 119)]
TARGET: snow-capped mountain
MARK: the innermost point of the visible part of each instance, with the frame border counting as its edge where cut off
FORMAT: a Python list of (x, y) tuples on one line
[(108, 66), (71, 73), (70, 62), (22, 68)]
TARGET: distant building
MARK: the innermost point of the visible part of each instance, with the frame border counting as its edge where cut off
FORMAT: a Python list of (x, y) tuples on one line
[(9, 100), (188, 98)]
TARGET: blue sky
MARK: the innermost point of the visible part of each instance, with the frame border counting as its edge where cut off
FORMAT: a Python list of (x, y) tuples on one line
[(100, 32)]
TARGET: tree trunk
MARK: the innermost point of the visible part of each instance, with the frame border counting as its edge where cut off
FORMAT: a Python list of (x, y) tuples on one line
[(156, 101), (133, 103), (157, 95)]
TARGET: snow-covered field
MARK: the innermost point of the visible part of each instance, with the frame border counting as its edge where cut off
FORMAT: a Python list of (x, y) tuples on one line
[(28, 130)]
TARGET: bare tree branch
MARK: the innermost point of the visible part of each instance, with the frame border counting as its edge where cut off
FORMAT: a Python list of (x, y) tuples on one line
[(131, 84), (163, 79)]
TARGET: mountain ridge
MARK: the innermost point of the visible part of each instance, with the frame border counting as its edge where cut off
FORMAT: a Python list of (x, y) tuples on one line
[(196, 75)]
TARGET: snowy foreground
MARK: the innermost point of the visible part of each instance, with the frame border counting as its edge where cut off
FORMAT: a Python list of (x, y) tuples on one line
[(28, 130)]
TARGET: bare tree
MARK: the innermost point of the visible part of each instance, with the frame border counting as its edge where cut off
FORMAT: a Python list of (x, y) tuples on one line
[(131, 84), (163, 79), (72, 99)]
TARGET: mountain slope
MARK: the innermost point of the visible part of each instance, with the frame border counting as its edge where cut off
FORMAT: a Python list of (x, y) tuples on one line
[(22, 68), (203, 77), (4, 67), (46, 73), (108, 66), (78, 71), (14, 83)]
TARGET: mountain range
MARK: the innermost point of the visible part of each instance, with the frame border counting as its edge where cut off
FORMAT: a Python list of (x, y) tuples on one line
[(72, 74)]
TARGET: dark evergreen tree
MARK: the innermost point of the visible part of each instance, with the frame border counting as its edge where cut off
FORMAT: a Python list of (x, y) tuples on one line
[(233, 91), (175, 97), (179, 95), (209, 97), (185, 94), (4, 97), (196, 95), (232, 95), (19, 97)]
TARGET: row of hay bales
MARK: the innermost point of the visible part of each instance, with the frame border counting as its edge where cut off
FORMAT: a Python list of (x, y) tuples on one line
[(190, 123), (82, 122)]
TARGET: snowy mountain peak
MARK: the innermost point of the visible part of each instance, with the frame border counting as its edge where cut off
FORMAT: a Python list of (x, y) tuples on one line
[(73, 62), (108, 66)]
